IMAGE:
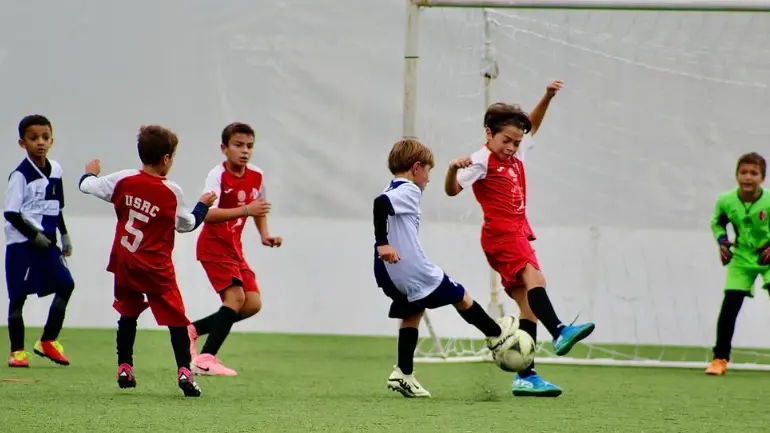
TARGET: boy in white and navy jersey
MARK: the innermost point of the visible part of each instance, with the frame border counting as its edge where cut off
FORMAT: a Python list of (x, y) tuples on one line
[(406, 275), (34, 263)]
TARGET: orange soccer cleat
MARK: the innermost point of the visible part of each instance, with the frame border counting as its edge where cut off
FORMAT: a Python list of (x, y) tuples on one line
[(718, 367), (19, 358), (52, 350)]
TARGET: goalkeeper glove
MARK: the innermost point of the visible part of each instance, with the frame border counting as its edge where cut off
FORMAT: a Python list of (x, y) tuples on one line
[(724, 249), (764, 255), (66, 245), (41, 241)]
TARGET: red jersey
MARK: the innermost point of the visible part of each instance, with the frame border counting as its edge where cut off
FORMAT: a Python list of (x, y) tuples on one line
[(221, 242), (150, 210), (500, 187)]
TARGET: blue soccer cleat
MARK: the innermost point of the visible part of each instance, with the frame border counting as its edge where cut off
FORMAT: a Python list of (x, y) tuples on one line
[(534, 386), (570, 335)]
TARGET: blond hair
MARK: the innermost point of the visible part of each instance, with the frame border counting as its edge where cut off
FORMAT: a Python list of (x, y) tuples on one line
[(405, 153)]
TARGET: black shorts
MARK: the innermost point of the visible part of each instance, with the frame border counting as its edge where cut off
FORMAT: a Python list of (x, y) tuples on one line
[(448, 292)]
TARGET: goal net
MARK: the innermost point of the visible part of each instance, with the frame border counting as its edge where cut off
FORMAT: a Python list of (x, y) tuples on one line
[(656, 109)]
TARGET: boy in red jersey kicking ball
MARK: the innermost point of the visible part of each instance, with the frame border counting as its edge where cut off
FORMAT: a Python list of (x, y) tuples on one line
[(496, 173), (150, 208), (241, 192)]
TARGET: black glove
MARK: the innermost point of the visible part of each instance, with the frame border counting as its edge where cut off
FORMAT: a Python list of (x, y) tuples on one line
[(724, 249), (41, 241), (764, 255)]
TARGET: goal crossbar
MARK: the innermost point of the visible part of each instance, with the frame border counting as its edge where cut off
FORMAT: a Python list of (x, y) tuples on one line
[(639, 5)]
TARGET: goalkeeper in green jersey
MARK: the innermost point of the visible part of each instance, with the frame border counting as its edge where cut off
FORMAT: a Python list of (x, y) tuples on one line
[(747, 209)]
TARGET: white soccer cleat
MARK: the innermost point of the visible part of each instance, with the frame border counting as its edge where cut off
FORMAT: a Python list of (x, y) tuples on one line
[(406, 384), (509, 325)]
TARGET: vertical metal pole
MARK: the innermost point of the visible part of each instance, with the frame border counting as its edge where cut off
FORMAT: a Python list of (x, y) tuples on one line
[(411, 59), (489, 72)]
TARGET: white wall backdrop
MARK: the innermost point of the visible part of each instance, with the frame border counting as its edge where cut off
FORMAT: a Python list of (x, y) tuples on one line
[(656, 109)]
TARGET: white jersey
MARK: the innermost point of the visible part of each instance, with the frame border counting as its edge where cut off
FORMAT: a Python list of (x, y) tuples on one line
[(37, 197), (414, 275)]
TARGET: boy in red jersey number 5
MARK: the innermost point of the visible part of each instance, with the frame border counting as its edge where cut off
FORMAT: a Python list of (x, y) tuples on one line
[(150, 208), (241, 191), (496, 173)]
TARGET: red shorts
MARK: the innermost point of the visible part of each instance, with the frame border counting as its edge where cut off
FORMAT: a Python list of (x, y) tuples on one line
[(508, 256), (166, 305), (228, 274)]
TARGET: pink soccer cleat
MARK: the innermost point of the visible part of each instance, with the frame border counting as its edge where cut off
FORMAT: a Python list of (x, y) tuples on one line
[(193, 334), (208, 364)]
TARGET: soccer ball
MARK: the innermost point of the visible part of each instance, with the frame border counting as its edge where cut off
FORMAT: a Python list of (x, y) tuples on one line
[(519, 355)]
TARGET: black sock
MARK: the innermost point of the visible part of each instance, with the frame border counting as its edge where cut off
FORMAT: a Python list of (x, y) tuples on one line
[(203, 326), (223, 322), (55, 320), (16, 323), (476, 316), (541, 305), (125, 338), (180, 342), (728, 315), (407, 344), (530, 328)]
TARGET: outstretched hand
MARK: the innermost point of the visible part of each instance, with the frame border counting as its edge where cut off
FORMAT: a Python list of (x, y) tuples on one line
[(553, 87), (459, 163), (94, 167)]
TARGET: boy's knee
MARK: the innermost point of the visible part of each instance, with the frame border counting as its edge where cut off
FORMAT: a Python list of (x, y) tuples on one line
[(465, 303), (734, 299), (532, 277), (16, 308), (252, 305), (233, 297), (412, 320), (65, 291)]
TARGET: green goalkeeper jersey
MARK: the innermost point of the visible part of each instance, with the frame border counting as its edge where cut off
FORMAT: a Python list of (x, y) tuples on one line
[(750, 221)]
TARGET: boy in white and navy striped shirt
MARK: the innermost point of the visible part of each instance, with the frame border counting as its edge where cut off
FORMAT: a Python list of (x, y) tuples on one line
[(34, 263), (405, 274)]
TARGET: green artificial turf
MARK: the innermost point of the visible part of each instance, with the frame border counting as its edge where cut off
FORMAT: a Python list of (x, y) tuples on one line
[(293, 383)]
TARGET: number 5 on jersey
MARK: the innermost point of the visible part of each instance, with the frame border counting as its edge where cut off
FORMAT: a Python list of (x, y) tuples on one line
[(137, 234)]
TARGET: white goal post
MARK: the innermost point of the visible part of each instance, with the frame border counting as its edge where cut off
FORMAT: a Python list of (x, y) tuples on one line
[(439, 347)]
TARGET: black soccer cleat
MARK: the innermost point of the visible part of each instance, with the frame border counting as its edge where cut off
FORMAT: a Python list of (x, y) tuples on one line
[(126, 376), (187, 383)]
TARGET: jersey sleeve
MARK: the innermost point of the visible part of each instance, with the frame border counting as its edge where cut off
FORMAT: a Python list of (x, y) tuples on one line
[(405, 199), (720, 219), (262, 194), (14, 193), (213, 184), (527, 144), (103, 187), (187, 220), (57, 175), (476, 171)]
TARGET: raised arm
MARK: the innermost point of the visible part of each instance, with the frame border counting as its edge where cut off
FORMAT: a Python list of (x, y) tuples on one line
[(538, 113), (103, 187), (463, 172)]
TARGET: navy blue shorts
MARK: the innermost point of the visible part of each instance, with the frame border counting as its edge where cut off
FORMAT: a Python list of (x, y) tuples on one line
[(448, 292), (35, 271)]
